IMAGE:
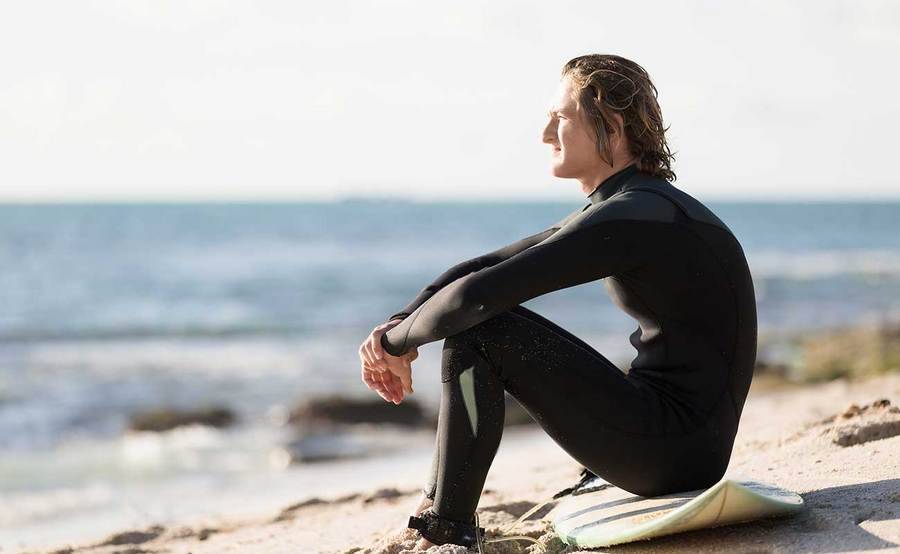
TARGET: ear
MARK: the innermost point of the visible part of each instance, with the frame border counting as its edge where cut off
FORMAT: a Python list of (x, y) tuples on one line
[(619, 131), (619, 139)]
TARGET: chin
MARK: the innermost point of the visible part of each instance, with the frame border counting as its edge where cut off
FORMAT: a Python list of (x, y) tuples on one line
[(559, 170)]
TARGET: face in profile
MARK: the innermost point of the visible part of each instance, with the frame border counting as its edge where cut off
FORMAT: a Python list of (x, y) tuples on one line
[(572, 138)]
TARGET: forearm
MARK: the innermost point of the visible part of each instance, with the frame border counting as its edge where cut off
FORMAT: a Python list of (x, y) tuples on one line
[(562, 261), (448, 309), (470, 266), (444, 279)]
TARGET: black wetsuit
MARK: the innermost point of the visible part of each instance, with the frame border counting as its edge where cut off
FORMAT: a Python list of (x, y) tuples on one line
[(666, 425)]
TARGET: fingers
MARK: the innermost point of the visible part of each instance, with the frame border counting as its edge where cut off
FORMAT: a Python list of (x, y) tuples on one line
[(372, 379), (363, 353), (368, 378), (386, 384), (398, 388), (377, 349), (375, 384), (401, 374), (406, 377), (383, 383), (393, 389), (369, 355)]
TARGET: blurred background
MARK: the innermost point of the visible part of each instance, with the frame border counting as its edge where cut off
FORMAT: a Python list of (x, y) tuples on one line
[(207, 206)]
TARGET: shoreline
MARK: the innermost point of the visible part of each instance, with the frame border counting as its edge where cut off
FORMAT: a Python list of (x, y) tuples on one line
[(786, 437)]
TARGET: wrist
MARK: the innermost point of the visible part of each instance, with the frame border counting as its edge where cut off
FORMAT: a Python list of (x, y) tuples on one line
[(387, 347)]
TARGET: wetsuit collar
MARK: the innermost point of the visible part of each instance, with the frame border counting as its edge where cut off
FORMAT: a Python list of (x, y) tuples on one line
[(612, 184)]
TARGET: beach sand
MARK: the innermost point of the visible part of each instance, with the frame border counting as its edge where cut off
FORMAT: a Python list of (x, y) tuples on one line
[(805, 438)]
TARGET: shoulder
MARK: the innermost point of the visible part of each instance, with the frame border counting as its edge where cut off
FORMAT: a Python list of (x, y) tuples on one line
[(569, 217), (690, 208), (646, 197), (629, 205), (625, 212)]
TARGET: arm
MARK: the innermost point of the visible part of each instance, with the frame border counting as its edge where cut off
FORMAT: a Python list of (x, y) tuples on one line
[(476, 264), (588, 249)]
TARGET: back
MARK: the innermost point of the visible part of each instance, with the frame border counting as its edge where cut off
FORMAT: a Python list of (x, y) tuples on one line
[(692, 296)]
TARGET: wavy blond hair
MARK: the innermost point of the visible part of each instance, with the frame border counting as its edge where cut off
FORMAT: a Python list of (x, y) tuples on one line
[(607, 84)]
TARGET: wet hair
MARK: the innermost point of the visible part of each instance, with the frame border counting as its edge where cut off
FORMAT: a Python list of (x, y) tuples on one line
[(606, 84)]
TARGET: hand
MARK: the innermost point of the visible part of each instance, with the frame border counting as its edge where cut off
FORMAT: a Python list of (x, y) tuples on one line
[(389, 376), (371, 353), (392, 384), (385, 383)]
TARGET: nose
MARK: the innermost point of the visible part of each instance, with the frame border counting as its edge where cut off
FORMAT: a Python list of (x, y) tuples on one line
[(549, 134)]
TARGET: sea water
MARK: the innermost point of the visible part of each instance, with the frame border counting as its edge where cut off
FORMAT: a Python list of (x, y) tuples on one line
[(106, 310)]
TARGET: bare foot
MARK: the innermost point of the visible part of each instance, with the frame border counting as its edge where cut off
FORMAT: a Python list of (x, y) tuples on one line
[(424, 544), (405, 534)]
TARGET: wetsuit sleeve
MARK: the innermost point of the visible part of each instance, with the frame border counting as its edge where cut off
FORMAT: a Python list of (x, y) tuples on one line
[(576, 254), (478, 263)]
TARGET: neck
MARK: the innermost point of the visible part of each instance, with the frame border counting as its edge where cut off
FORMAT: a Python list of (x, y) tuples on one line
[(590, 182)]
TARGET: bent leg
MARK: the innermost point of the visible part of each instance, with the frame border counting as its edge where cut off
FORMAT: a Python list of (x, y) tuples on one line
[(612, 424)]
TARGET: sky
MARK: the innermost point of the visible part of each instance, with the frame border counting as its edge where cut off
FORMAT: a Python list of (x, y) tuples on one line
[(179, 100)]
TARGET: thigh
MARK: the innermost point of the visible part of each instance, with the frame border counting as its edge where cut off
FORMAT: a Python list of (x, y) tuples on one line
[(609, 422), (560, 379)]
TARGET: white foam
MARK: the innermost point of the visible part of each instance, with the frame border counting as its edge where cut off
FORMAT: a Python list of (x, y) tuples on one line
[(824, 263)]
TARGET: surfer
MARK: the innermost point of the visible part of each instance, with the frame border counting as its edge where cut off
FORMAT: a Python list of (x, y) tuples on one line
[(668, 423)]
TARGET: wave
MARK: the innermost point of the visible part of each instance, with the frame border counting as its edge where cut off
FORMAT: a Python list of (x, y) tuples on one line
[(825, 263), (137, 333)]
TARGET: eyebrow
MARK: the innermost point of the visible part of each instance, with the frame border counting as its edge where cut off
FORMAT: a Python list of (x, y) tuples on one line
[(559, 110)]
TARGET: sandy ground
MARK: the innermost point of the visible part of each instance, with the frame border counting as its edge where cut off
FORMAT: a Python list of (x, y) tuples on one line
[(805, 438)]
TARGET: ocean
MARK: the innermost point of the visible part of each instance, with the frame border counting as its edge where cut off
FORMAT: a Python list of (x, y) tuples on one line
[(110, 309)]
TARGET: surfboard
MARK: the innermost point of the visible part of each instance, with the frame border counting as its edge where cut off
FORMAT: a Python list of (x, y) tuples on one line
[(599, 514)]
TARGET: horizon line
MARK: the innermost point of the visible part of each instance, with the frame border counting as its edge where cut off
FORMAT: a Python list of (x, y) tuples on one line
[(401, 200)]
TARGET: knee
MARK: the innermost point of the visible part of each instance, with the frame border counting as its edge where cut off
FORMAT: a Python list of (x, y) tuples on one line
[(469, 348), (458, 354), (488, 332)]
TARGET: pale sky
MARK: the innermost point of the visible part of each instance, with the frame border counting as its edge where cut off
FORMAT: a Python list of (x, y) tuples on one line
[(212, 100)]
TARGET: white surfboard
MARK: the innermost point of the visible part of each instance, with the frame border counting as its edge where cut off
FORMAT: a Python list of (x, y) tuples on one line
[(614, 516)]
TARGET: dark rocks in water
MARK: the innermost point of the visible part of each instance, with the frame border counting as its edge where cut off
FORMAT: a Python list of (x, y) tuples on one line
[(335, 441), (333, 428), (335, 409), (163, 419), (326, 444), (338, 409)]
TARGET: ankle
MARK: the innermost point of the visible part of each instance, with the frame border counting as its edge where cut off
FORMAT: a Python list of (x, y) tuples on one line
[(436, 529), (424, 504)]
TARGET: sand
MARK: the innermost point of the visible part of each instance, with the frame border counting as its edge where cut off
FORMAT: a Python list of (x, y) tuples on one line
[(837, 444)]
